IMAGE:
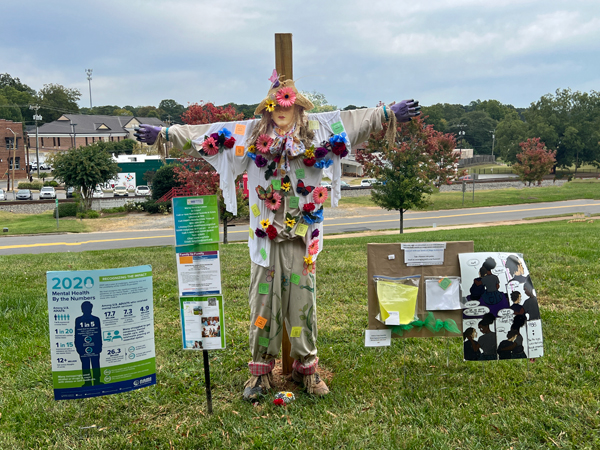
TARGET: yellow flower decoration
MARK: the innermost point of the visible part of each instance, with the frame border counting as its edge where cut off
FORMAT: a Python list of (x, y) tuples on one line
[(270, 105), (308, 260), (290, 222), (286, 187), (265, 223), (310, 152), (252, 149)]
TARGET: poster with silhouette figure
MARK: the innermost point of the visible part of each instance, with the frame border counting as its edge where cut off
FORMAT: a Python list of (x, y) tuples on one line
[(501, 316), (101, 331)]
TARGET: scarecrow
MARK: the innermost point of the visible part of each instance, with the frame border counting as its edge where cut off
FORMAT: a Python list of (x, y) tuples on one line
[(285, 155)]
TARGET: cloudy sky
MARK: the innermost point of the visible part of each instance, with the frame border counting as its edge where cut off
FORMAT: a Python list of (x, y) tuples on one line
[(354, 52)]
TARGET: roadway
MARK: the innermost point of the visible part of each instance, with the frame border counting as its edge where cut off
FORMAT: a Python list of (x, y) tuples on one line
[(357, 222)]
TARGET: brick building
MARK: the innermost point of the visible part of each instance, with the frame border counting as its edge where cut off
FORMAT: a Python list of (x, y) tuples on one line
[(7, 152), (76, 130)]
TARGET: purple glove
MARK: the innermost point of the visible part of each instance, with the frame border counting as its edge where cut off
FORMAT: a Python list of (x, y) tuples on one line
[(406, 110), (147, 133)]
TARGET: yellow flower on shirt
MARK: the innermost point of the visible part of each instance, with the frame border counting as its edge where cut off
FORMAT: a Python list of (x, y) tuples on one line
[(265, 223)]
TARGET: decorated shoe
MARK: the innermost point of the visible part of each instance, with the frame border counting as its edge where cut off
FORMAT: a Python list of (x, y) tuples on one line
[(297, 377), (257, 387), (315, 386)]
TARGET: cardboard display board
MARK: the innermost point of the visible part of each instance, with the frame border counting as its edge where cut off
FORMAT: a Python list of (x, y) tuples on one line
[(389, 260)]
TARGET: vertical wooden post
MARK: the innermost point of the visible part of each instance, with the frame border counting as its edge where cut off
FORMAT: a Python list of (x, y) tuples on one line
[(284, 66)]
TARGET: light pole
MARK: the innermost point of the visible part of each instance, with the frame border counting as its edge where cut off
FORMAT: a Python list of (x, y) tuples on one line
[(89, 77), (13, 161), (493, 140), (36, 117)]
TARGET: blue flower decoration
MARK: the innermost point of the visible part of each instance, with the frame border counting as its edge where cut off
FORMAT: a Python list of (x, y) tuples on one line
[(323, 164), (251, 155), (342, 137), (318, 215), (225, 132), (308, 218)]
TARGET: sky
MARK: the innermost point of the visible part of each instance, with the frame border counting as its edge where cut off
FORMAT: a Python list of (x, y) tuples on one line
[(353, 52)]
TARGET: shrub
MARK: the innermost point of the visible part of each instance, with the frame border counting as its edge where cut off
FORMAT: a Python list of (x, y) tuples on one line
[(89, 214), (36, 185), (118, 209), (51, 183), (66, 209)]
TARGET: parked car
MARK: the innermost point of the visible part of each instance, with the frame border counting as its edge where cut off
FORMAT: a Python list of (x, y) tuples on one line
[(326, 184), (48, 192), (142, 190), (45, 166), (69, 191), (120, 191), (24, 194), (344, 185), (3, 195), (368, 181), (98, 193), (466, 177)]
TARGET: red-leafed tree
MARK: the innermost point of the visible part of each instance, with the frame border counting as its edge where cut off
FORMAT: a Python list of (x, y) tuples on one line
[(535, 161), (198, 175), (406, 173), (199, 113)]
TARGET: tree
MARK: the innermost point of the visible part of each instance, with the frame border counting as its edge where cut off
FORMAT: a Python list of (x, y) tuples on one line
[(7, 81), (440, 114), (122, 112), (164, 180), (568, 122), (509, 133), (84, 167), (198, 175), (478, 130), (172, 111), (535, 161), (406, 172), (56, 100), (199, 113), (319, 101)]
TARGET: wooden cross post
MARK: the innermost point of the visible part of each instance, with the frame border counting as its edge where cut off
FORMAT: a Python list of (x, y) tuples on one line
[(283, 64)]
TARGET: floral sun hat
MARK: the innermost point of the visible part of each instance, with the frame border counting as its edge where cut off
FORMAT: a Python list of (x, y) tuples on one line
[(282, 93)]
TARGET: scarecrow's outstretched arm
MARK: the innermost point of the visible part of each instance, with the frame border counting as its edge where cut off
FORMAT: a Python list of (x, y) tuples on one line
[(147, 133)]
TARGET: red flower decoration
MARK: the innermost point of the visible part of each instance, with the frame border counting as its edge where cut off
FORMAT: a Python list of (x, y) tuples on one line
[(309, 207), (279, 402), (229, 143), (271, 232), (338, 148), (310, 161)]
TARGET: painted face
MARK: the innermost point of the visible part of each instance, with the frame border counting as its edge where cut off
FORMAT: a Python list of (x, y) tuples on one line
[(284, 117)]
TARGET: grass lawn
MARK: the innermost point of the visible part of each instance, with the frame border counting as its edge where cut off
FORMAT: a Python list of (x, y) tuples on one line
[(580, 189), (553, 403), (39, 223)]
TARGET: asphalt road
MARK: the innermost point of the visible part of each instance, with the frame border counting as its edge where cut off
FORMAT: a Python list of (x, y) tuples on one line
[(378, 220)]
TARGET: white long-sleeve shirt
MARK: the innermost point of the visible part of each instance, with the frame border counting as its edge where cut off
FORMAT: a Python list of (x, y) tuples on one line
[(230, 163)]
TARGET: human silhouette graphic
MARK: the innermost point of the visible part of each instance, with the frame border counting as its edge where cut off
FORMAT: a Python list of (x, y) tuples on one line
[(88, 343)]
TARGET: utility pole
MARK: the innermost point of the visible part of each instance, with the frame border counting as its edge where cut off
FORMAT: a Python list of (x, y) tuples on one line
[(36, 117), (73, 131), (493, 140), (13, 161), (89, 77)]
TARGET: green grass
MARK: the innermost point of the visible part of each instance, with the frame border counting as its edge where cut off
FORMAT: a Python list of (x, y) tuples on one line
[(581, 189), (38, 223), (500, 405)]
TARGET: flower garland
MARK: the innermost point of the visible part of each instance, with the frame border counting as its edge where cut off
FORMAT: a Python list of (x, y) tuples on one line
[(217, 142)]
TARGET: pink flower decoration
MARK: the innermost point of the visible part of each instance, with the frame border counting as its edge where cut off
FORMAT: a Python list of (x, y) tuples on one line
[(320, 194), (313, 247), (263, 143), (274, 202), (286, 97), (210, 146)]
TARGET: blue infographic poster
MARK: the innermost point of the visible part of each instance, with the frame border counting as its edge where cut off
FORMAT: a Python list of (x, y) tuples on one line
[(101, 331)]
